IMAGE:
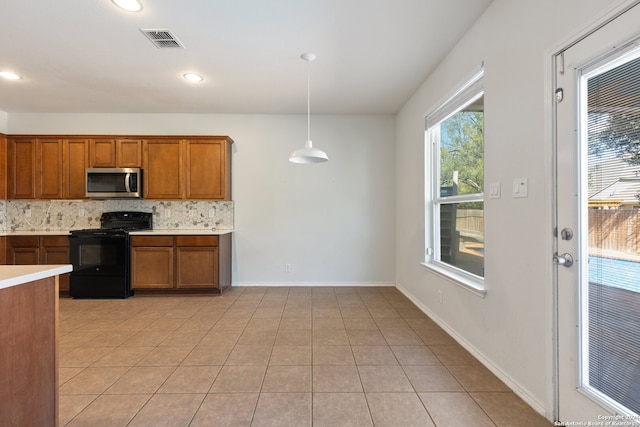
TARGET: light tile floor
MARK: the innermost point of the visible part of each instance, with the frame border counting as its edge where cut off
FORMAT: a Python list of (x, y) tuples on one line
[(272, 357)]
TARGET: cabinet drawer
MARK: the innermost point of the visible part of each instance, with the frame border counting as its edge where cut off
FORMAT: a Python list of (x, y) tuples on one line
[(57, 241), (196, 240), (151, 241), (24, 241)]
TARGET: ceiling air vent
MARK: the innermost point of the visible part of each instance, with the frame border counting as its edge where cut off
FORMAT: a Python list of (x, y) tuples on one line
[(162, 38)]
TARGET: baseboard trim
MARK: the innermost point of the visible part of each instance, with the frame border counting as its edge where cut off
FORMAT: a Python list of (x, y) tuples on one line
[(514, 386), (325, 284)]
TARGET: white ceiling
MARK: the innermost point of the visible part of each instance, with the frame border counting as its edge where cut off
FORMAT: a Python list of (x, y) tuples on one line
[(89, 56)]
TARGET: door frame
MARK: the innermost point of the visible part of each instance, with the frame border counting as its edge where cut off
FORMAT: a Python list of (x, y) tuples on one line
[(551, 68)]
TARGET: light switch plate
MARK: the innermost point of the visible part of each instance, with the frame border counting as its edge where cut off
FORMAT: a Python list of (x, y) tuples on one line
[(494, 190), (520, 187)]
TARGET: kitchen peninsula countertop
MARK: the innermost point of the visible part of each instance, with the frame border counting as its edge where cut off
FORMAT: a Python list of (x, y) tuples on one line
[(14, 275)]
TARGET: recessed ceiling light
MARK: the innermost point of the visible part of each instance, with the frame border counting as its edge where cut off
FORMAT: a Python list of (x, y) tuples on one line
[(9, 75), (128, 5), (193, 77)]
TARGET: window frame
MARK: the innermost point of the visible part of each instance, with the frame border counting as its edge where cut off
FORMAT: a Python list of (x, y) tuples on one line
[(467, 93)]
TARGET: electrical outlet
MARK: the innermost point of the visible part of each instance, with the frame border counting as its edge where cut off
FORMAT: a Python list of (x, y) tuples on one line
[(190, 214), (81, 212), (287, 268), (27, 213), (167, 213), (212, 213)]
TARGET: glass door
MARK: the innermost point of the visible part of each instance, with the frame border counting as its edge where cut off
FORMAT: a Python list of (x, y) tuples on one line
[(598, 221)]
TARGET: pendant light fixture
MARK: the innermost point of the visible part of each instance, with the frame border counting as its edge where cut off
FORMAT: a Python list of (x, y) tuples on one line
[(308, 154)]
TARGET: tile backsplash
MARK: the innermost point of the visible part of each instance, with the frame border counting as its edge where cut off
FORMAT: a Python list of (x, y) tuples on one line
[(45, 215)]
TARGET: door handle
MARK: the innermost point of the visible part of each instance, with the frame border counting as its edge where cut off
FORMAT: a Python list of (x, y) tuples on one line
[(565, 260), (127, 177)]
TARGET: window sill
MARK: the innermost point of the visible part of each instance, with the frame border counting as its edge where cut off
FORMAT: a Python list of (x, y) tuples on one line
[(470, 284)]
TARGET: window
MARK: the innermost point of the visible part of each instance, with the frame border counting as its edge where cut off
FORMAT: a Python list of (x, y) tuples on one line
[(455, 186)]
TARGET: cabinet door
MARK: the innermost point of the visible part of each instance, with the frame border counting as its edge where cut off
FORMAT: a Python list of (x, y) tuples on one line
[(55, 250), (75, 163), (129, 153), (152, 267), (197, 267), (205, 169), (163, 169), (49, 169), (21, 168), (103, 153), (23, 250)]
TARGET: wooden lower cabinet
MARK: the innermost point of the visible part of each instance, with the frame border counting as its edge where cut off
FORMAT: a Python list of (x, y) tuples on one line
[(152, 262), (23, 250), (55, 250), (39, 250), (181, 263)]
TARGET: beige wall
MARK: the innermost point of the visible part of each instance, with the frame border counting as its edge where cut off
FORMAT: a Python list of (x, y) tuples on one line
[(332, 222), (511, 329)]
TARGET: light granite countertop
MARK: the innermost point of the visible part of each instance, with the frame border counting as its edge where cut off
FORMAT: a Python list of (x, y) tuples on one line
[(180, 232)]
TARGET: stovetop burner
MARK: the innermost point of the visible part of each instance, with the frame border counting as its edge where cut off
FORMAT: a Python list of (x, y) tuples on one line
[(121, 222)]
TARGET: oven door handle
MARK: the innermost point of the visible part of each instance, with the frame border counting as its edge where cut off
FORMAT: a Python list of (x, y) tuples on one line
[(127, 179)]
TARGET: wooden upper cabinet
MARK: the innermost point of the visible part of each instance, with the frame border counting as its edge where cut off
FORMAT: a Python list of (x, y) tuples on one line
[(75, 162), (162, 169), (49, 168), (206, 170), (116, 153), (21, 168), (128, 153), (197, 167), (34, 168), (194, 168), (102, 153)]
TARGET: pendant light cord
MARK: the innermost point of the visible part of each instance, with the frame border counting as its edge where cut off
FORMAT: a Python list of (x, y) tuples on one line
[(308, 100)]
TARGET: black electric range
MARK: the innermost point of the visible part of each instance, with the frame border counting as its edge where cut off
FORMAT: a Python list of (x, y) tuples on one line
[(101, 257)]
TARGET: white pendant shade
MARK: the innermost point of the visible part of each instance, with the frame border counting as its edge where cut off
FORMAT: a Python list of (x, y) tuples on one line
[(308, 154)]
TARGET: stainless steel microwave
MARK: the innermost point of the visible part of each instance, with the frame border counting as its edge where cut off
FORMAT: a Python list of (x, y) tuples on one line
[(114, 183)]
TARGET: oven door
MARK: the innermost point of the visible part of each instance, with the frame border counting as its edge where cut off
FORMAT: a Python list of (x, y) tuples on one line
[(97, 254)]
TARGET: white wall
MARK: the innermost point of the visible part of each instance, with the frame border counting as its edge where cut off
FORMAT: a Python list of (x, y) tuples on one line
[(511, 329), (3, 121), (333, 222)]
